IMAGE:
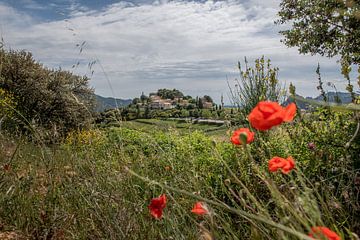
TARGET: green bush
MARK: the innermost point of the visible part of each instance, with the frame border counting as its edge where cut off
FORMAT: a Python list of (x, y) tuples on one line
[(51, 101)]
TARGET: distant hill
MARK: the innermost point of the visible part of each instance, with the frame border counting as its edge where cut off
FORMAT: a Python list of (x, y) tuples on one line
[(331, 96), (344, 97), (104, 103)]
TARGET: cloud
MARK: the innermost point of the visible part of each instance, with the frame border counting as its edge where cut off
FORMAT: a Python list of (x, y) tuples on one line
[(12, 19), (192, 46)]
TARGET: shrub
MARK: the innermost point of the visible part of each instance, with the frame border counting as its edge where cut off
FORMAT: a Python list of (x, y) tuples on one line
[(258, 83), (53, 100)]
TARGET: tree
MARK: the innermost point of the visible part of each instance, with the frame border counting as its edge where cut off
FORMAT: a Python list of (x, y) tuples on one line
[(136, 101), (169, 94), (208, 98), (325, 27), (200, 104), (147, 112), (54, 101), (144, 98)]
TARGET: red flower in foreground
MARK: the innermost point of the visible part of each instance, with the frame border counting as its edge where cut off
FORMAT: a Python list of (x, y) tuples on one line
[(285, 165), (323, 233), (157, 205), (199, 209), (236, 138), (269, 114)]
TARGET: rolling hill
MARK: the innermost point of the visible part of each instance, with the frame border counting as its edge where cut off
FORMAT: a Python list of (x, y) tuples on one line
[(104, 103)]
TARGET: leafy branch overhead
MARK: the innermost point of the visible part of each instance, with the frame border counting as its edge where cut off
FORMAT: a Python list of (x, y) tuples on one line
[(328, 28)]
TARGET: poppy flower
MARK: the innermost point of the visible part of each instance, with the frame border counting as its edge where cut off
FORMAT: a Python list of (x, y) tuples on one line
[(199, 209), (157, 205), (237, 139), (321, 232), (267, 114), (286, 165)]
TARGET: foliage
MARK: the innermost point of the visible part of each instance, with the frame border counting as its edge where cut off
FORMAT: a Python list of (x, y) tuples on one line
[(7, 104), (208, 98), (327, 28), (258, 83), (82, 189), (169, 94), (54, 100)]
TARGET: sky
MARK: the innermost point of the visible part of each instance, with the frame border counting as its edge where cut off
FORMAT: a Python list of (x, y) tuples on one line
[(135, 46)]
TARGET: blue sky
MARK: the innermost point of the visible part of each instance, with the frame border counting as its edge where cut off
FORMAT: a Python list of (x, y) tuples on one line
[(141, 45)]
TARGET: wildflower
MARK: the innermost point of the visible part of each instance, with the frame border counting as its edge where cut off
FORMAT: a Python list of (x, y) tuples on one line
[(237, 138), (323, 233), (157, 205), (285, 165), (269, 114), (200, 209)]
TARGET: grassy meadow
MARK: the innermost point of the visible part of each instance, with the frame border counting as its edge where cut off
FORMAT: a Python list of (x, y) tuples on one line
[(98, 183)]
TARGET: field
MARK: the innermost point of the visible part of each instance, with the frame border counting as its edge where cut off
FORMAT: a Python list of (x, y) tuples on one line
[(98, 184), (150, 125)]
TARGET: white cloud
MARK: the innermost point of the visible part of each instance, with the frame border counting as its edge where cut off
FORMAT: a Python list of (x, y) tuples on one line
[(191, 46), (10, 18)]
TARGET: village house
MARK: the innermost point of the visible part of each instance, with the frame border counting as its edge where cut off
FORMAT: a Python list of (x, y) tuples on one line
[(161, 104), (207, 105)]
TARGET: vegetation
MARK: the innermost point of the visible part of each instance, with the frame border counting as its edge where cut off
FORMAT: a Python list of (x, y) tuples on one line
[(55, 101), (256, 84), (328, 28), (167, 104), (170, 94), (279, 174), (82, 188)]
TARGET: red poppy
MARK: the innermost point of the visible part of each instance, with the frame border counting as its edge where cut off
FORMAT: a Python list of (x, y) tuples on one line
[(157, 205), (199, 209), (286, 165), (236, 137), (269, 114), (321, 232)]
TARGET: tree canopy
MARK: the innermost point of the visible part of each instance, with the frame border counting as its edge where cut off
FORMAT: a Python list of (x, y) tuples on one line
[(169, 94), (325, 27)]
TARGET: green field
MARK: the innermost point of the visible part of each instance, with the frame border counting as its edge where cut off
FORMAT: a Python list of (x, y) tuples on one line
[(150, 125)]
